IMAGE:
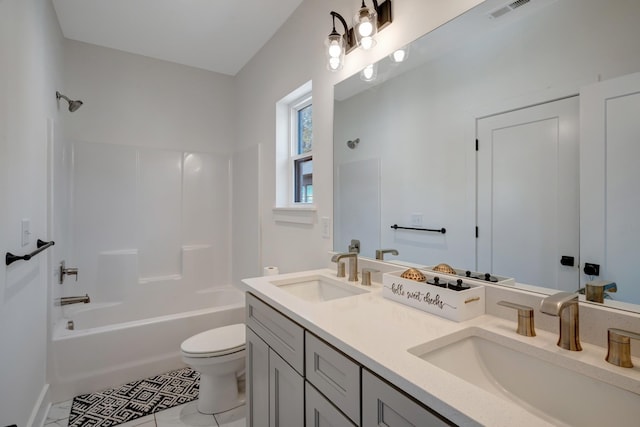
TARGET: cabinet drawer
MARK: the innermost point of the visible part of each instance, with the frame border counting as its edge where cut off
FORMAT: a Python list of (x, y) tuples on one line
[(319, 412), (278, 331), (383, 405), (334, 375)]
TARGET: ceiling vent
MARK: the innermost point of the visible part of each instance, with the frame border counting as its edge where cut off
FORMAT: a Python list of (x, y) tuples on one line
[(501, 11)]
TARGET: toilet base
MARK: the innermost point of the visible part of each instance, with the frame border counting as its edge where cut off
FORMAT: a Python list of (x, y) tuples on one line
[(218, 393)]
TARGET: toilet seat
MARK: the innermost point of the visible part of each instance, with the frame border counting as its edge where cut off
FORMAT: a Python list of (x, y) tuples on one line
[(215, 342)]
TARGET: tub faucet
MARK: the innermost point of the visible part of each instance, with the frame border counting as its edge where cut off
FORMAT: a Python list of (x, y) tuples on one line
[(75, 300), (380, 253), (565, 306), (353, 264)]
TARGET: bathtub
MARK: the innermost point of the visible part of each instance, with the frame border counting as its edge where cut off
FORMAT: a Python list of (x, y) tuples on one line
[(113, 344)]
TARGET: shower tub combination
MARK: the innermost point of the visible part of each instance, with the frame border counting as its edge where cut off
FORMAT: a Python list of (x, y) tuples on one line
[(115, 343)]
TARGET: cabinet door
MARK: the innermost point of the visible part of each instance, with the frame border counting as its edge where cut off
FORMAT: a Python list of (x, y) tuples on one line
[(257, 362), (383, 405), (319, 412), (286, 394)]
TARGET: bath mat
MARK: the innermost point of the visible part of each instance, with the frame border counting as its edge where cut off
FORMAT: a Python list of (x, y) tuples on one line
[(134, 400)]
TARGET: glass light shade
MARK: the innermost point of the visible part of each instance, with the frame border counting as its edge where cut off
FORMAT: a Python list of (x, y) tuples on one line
[(335, 51), (400, 55), (365, 25), (369, 73)]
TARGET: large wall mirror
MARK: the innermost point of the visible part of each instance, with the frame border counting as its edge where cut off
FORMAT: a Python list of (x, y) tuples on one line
[(548, 89)]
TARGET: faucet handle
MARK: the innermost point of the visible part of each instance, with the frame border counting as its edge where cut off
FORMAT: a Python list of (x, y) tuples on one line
[(595, 290), (619, 347), (526, 325), (366, 276)]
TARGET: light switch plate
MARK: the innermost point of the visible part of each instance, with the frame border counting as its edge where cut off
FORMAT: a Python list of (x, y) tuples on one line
[(416, 219), (26, 231), (325, 222)]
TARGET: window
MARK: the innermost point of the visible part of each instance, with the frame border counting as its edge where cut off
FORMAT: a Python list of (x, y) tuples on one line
[(301, 160), (294, 158)]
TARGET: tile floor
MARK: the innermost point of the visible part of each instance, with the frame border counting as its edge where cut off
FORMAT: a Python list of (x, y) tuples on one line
[(179, 416)]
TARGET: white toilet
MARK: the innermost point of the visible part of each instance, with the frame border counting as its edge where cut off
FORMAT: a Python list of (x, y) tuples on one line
[(218, 355)]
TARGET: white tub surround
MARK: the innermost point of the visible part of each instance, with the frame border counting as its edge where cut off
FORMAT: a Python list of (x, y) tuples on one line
[(117, 343), (377, 333)]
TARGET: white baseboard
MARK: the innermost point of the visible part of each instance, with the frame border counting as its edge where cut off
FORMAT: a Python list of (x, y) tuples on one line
[(40, 409)]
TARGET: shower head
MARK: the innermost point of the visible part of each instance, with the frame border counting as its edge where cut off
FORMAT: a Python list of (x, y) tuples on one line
[(353, 144), (73, 105)]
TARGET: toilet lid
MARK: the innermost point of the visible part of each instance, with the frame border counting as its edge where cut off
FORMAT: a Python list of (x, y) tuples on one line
[(215, 342)]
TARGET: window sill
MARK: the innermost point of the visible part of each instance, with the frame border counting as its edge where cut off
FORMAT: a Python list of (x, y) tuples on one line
[(295, 214)]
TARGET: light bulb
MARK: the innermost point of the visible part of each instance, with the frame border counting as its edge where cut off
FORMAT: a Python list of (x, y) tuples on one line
[(335, 49), (398, 55), (367, 43), (365, 28), (369, 73), (334, 63)]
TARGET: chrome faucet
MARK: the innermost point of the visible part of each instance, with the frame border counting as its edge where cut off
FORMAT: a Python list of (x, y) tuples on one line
[(353, 264), (565, 306), (380, 253), (595, 291), (75, 300)]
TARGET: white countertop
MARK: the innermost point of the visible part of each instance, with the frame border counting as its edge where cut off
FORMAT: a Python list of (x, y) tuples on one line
[(377, 332)]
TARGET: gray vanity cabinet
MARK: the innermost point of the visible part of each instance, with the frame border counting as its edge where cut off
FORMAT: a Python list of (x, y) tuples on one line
[(383, 405), (296, 379), (275, 367)]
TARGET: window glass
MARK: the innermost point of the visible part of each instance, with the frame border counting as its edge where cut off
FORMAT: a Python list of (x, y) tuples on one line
[(305, 126)]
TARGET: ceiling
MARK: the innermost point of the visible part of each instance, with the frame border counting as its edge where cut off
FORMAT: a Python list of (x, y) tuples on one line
[(215, 35)]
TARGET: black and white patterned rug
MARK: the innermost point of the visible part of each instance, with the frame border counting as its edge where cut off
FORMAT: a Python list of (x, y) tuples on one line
[(134, 400)]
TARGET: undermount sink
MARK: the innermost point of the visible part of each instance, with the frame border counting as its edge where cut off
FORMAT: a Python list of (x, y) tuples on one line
[(317, 288), (519, 373)]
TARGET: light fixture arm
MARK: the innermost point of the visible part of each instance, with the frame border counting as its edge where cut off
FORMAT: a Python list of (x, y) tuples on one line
[(344, 23), (348, 33)]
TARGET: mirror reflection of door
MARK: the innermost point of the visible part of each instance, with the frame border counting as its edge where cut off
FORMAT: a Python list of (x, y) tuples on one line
[(357, 199), (609, 178), (528, 194)]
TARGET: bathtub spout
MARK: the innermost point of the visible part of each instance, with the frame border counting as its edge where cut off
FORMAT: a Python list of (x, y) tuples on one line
[(75, 300)]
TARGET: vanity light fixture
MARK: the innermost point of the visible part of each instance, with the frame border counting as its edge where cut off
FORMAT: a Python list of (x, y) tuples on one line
[(336, 44), (369, 73), (367, 23)]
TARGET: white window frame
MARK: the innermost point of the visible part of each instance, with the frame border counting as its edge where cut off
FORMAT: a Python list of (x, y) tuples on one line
[(294, 108), (285, 209)]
